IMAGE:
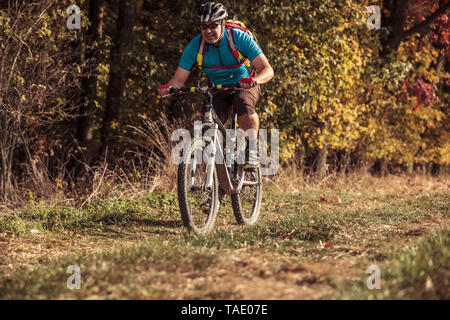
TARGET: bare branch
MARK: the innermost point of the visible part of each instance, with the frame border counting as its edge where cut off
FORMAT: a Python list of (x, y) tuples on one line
[(421, 27)]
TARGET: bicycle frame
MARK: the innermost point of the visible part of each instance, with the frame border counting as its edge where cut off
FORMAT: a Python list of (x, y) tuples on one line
[(211, 121), (218, 160)]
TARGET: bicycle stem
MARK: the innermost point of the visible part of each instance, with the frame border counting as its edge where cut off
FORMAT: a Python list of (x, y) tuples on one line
[(209, 106)]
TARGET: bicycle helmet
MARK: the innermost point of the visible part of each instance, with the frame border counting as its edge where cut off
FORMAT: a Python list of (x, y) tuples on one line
[(212, 11)]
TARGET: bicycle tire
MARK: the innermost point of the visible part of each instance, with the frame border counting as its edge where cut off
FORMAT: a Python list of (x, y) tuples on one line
[(242, 213), (186, 210)]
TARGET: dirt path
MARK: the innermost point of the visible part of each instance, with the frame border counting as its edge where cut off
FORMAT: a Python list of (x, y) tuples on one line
[(304, 246)]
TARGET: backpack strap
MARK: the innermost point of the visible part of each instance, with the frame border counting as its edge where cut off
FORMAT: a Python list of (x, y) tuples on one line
[(201, 52), (236, 53)]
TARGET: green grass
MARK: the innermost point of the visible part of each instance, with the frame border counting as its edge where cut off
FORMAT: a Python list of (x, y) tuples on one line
[(112, 273), (114, 212), (162, 266), (421, 271)]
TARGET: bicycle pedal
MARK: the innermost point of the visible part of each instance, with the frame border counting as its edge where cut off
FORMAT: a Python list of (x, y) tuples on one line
[(251, 167)]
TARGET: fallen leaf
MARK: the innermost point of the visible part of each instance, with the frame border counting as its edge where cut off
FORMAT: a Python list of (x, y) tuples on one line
[(336, 199), (323, 200), (323, 245), (285, 236)]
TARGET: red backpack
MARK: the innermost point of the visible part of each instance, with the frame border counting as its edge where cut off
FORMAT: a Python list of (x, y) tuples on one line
[(229, 26)]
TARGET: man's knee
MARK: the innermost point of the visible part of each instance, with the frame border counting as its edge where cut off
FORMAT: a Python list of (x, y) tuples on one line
[(249, 124)]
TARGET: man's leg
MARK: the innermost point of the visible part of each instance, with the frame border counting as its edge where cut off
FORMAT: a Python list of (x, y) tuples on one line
[(250, 124), (248, 121)]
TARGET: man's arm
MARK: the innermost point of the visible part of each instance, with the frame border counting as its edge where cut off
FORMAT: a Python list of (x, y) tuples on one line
[(264, 69), (177, 81)]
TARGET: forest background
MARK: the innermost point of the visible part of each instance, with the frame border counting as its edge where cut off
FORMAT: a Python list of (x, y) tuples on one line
[(76, 103)]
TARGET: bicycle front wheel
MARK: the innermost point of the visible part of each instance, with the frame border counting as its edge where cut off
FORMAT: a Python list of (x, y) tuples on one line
[(198, 202), (247, 203)]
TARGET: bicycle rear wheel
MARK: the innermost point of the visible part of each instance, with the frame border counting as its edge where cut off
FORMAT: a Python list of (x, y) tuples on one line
[(247, 204), (198, 203)]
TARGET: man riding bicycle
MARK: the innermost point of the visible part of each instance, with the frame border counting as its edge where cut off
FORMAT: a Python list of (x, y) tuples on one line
[(222, 67)]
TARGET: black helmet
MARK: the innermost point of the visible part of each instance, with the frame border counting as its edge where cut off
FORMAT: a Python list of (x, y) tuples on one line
[(212, 11)]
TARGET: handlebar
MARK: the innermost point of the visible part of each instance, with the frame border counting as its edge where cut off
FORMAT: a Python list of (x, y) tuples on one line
[(206, 89)]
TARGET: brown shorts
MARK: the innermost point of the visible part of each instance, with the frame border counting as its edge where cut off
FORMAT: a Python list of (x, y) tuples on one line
[(243, 102)]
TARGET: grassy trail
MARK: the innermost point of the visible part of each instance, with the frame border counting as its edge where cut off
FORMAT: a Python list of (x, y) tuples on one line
[(313, 244)]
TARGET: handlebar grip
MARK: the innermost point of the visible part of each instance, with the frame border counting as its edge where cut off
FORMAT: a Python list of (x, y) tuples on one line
[(172, 92), (228, 86)]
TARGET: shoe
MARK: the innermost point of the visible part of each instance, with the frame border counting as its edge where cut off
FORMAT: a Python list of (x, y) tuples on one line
[(252, 161)]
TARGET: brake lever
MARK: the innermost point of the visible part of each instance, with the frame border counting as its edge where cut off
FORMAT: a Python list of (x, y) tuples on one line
[(174, 92)]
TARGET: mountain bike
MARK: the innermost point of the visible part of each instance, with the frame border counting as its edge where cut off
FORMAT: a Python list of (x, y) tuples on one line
[(208, 171)]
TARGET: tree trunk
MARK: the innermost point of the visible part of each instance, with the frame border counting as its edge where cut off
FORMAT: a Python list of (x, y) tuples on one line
[(345, 162), (424, 169), (410, 168), (85, 123), (395, 23), (435, 169), (322, 161), (384, 168), (120, 58)]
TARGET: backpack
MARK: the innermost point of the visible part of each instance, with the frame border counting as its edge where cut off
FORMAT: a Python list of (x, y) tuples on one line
[(229, 26)]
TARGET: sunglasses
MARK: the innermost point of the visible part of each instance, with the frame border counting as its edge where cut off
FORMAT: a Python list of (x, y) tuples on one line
[(209, 26)]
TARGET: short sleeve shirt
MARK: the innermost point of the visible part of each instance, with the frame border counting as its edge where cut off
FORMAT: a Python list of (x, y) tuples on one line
[(222, 56)]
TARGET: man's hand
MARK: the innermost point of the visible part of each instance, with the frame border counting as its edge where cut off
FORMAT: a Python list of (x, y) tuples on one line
[(164, 89), (247, 83)]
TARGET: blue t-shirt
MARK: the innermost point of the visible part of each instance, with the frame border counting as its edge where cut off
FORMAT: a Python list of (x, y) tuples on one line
[(222, 56)]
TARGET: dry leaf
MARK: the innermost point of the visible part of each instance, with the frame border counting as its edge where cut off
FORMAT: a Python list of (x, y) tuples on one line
[(285, 236), (329, 244), (336, 199), (321, 245)]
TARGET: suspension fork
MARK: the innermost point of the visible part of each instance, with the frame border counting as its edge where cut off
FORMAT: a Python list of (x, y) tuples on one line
[(235, 139), (208, 119), (211, 158)]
